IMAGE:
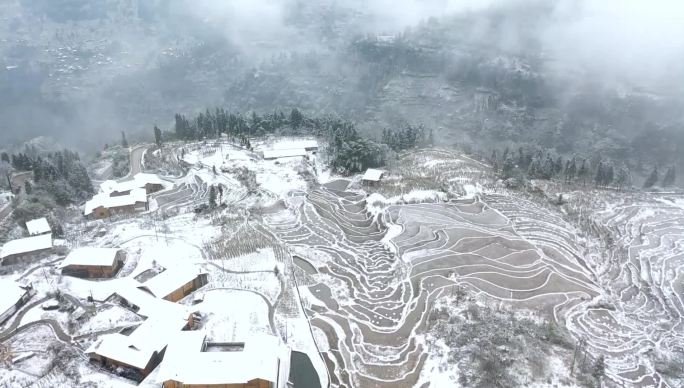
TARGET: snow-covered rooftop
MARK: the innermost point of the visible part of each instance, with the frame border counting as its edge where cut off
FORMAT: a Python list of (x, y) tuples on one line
[(169, 281), (373, 175), (284, 153), (90, 256), (11, 293), (38, 226), (263, 357), (26, 245), (138, 348), (139, 181), (104, 200), (294, 144)]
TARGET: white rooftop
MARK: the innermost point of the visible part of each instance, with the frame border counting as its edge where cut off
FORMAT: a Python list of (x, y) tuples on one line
[(294, 144), (372, 175), (26, 245), (11, 293), (138, 348), (104, 200), (169, 281), (139, 181), (90, 256), (38, 226), (284, 153), (263, 357)]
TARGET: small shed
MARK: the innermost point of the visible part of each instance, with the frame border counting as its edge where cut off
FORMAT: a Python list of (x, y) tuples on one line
[(193, 361), (38, 226), (174, 284), (14, 296), (372, 177), (88, 262), (16, 250)]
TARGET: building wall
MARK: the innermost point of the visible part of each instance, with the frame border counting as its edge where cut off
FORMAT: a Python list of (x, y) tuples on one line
[(153, 188), (15, 259), (187, 288), (257, 383)]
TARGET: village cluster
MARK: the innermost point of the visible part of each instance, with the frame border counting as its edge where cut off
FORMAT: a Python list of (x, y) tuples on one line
[(170, 340)]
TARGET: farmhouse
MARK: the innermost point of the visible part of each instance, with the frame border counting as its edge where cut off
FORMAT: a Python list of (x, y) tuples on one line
[(102, 205), (150, 182), (372, 176), (38, 226), (13, 297), (262, 361), (135, 355), (174, 284), (93, 262), (14, 251)]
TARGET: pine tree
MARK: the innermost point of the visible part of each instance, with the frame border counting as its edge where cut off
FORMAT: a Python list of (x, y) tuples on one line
[(622, 178), (609, 175), (600, 174), (157, 136), (5, 157), (124, 142), (583, 172), (212, 196), (295, 118), (670, 176), (28, 189), (652, 179), (494, 157), (599, 369), (508, 167)]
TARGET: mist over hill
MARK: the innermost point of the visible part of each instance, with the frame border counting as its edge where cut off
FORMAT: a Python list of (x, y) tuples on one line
[(573, 76)]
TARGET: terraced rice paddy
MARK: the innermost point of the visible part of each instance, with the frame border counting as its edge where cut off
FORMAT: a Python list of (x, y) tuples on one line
[(641, 331), (372, 301)]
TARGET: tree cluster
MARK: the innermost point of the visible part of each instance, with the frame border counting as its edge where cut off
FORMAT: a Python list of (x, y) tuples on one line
[(405, 138), (61, 174), (348, 151), (542, 164)]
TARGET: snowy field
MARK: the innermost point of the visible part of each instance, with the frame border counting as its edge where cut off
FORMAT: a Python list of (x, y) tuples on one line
[(374, 283)]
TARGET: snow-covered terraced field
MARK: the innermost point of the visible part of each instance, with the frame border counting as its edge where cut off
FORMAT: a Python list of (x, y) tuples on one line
[(640, 330), (372, 299)]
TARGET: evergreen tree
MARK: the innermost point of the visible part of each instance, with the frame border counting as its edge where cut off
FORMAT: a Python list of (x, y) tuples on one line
[(599, 369), (5, 157), (508, 167), (622, 177), (212, 196), (609, 175), (28, 189), (295, 118), (157, 136), (124, 142), (600, 174), (494, 157), (670, 176), (583, 172), (652, 179)]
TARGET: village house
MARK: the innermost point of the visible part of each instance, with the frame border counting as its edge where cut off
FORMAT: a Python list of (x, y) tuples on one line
[(191, 361), (135, 355), (24, 248), (372, 177), (90, 262), (150, 182), (288, 153), (174, 284), (38, 226), (307, 145), (14, 296), (102, 205)]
